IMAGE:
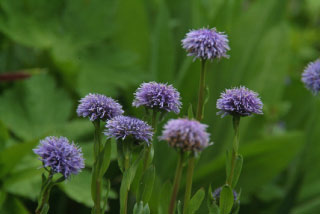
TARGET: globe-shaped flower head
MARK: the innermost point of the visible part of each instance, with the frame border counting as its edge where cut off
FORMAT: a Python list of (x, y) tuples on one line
[(123, 127), (158, 96), (239, 102), (311, 77), (98, 106), (186, 135), (61, 156), (206, 44)]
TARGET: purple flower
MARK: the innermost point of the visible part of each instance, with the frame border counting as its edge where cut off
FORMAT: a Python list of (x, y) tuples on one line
[(158, 96), (239, 101), (216, 195), (185, 134), (311, 77), (122, 127), (206, 44), (97, 106), (61, 156)]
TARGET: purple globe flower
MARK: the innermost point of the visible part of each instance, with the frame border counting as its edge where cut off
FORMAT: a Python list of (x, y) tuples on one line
[(122, 127), (61, 156), (185, 134), (158, 96), (206, 44), (239, 102), (216, 195), (311, 77), (97, 106)]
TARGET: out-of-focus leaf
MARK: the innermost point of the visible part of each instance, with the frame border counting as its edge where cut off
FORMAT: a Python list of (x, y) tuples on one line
[(12, 155), (13, 205), (196, 201), (139, 208), (146, 185), (35, 108)]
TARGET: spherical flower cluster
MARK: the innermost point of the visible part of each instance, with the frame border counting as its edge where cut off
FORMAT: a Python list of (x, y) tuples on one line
[(158, 96), (239, 102), (122, 127), (311, 77), (61, 156), (97, 106), (206, 44), (216, 195), (185, 134)]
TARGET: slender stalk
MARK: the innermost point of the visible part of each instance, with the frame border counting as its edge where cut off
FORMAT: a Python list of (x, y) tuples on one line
[(96, 180), (45, 193), (202, 88), (176, 183), (127, 157), (149, 147), (187, 194), (199, 116), (235, 147)]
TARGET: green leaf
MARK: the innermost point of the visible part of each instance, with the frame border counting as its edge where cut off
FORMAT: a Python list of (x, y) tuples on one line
[(45, 209), (165, 192), (226, 200), (179, 207), (35, 108), (196, 201), (237, 170), (78, 188), (213, 208), (105, 157), (12, 155), (146, 185), (127, 179)]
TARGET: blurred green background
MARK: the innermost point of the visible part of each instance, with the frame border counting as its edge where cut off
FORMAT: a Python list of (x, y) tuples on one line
[(73, 47)]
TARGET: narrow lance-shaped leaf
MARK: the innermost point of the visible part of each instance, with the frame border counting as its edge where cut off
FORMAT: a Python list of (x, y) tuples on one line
[(196, 201)]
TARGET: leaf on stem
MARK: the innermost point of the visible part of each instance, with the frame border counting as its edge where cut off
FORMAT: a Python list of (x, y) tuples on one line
[(146, 185), (226, 199), (237, 170), (196, 201)]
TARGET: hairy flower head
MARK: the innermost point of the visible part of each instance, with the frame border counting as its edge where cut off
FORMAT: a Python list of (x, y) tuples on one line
[(239, 102), (98, 107), (185, 134), (61, 156), (122, 127), (311, 77), (206, 44), (158, 96)]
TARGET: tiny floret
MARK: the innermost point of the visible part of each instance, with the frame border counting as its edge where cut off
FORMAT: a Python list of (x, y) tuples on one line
[(206, 44), (61, 156), (311, 77), (158, 96), (186, 135), (123, 127), (98, 107), (239, 102)]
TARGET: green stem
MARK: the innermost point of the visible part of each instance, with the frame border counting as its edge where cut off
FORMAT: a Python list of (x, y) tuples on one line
[(96, 180), (187, 195), (235, 147), (45, 193), (149, 147), (202, 88), (176, 183)]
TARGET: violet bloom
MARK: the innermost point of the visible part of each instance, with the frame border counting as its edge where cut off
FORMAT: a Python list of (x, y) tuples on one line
[(123, 127), (158, 96), (239, 102), (98, 106), (185, 134), (206, 44), (216, 195), (311, 77), (61, 156)]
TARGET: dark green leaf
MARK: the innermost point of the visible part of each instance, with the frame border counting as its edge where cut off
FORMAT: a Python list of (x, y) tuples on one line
[(146, 185), (237, 170), (105, 157)]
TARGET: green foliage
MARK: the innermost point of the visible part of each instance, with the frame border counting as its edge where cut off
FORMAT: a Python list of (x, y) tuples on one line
[(226, 200), (71, 48), (196, 201)]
